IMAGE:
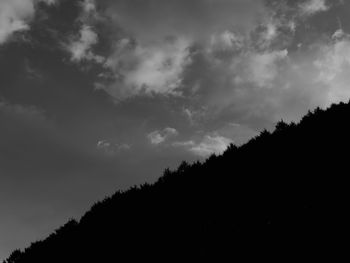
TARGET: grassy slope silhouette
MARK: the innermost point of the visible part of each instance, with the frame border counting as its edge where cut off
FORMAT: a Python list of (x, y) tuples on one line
[(282, 195)]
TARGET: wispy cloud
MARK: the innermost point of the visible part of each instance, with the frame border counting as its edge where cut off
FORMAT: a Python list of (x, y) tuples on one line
[(15, 16), (158, 137), (333, 66), (111, 148), (138, 69), (311, 7), (208, 145), (80, 48), (261, 69)]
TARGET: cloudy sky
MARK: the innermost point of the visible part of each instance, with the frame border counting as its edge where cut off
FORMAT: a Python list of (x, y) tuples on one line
[(99, 95)]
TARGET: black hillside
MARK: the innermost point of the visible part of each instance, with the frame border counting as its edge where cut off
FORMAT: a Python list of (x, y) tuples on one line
[(283, 196)]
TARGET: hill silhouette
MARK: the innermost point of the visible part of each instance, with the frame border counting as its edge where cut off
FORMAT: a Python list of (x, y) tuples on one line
[(281, 196)]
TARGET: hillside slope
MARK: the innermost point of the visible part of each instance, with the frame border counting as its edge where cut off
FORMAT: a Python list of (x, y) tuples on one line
[(283, 195)]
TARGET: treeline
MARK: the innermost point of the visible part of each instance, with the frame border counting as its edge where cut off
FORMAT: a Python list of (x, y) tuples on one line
[(283, 195)]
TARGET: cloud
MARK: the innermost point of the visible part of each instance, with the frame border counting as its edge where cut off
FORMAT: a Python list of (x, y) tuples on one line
[(248, 42), (333, 65), (158, 137), (259, 68), (226, 40), (338, 34), (156, 49), (217, 62), (155, 55), (311, 7), (210, 144), (186, 144), (89, 6), (254, 87), (269, 76), (158, 69), (270, 32), (137, 69), (194, 115), (15, 16), (80, 48), (112, 148)]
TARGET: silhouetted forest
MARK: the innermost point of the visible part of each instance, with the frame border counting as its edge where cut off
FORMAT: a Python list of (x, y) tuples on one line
[(281, 196)]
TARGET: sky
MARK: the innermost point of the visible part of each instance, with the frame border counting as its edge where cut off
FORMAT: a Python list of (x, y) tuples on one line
[(100, 95)]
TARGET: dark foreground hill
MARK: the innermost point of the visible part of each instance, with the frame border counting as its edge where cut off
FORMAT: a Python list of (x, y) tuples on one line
[(282, 196)]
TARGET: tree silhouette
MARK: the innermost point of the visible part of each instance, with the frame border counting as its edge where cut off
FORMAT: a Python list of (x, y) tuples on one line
[(283, 196)]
